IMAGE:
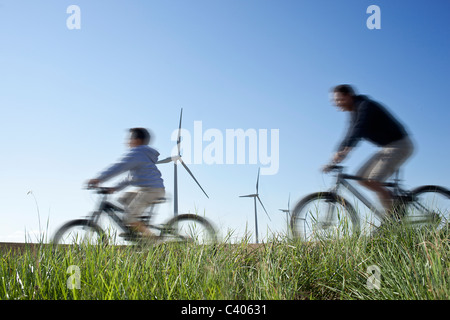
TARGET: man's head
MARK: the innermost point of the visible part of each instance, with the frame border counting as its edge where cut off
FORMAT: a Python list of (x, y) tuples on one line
[(138, 136), (343, 96)]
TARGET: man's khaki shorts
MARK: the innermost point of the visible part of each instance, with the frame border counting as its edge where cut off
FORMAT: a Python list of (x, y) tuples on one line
[(386, 161), (135, 202)]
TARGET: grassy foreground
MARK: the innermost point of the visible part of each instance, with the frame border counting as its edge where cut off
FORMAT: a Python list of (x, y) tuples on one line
[(406, 264)]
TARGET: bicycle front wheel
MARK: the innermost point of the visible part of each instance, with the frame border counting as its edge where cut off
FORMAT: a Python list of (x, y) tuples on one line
[(323, 215), (189, 228), (430, 205), (80, 232)]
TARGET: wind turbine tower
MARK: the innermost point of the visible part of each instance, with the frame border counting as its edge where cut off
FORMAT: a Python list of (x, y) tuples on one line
[(256, 196), (288, 214), (177, 158)]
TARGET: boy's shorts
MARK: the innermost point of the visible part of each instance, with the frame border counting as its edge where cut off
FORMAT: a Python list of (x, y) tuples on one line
[(135, 202), (386, 161)]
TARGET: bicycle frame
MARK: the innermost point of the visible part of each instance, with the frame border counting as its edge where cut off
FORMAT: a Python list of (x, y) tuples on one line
[(341, 180), (185, 227), (330, 210), (111, 211)]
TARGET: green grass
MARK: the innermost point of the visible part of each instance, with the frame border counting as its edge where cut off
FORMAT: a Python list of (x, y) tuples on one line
[(413, 264)]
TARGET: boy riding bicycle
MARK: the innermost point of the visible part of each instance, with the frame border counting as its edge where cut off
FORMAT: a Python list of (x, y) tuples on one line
[(140, 162)]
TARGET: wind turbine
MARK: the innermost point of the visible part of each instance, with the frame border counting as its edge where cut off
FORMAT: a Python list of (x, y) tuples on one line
[(288, 213), (256, 196), (175, 159)]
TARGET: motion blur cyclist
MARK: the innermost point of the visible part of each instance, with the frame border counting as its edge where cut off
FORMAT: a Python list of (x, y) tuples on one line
[(371, 121), (140, 163)]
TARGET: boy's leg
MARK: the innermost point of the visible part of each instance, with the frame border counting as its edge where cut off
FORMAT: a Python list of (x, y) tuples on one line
[(143, 199), (126, 198)]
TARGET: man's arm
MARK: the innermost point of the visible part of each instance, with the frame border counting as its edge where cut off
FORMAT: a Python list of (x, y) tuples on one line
[(341, 155), (358, 127), (338, 157)]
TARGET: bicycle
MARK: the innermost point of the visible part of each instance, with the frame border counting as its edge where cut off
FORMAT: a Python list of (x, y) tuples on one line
[(181, 228), (325, 214)]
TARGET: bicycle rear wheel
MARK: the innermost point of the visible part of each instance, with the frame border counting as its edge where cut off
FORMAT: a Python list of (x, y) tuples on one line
[(80, 232), (430, 206), (189, 228), (323, 215)]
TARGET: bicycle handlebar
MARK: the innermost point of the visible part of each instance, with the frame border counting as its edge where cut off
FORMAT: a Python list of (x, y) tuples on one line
[(333, 167), (340, 169), (100, 190)]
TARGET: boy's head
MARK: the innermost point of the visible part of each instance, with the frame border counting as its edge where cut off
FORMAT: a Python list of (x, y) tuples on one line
[(138, 137)]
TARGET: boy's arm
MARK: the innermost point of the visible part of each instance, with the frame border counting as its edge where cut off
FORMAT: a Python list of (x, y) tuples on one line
[(122, 184), (127, 163), (93, 183)]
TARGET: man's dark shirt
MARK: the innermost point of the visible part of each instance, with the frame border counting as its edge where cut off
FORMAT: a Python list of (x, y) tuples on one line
[(371, 121)]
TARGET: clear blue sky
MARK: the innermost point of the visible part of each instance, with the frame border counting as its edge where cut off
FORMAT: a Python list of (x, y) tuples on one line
[(68, 96)]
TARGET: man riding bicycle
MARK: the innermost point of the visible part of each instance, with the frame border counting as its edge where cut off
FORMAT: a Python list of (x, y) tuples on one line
[(371, 121)]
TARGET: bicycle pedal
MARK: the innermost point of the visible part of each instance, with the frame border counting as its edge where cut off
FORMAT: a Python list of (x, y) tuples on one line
[(326, 225), (404, 198), (129, 236)]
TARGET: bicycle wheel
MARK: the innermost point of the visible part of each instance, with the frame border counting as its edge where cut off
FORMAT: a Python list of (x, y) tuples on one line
[(80, 232), (430, 206), (323, 215), (189, 228)]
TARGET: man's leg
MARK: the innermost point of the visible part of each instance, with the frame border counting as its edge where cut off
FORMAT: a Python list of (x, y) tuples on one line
[(381, 166), (383, 194)]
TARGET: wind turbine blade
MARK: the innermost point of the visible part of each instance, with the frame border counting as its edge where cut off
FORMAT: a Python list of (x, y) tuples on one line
[(189, 171), (169, 159), (257, 182), (248, 196), (179, 133), (166, 160), (263, 207)]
